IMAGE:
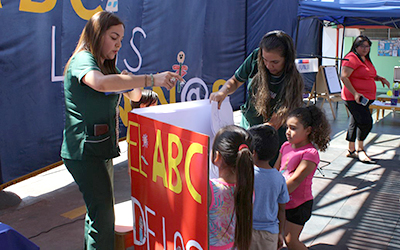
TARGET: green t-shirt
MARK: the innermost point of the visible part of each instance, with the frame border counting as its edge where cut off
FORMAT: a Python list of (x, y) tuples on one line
[(85, 108), (246, 72)]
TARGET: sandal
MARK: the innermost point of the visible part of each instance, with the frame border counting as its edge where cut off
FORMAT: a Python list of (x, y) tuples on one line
[(363, 157), (352, 154)]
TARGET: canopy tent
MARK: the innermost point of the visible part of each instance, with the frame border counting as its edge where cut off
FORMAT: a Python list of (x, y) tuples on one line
[(349, 13), (353, 12)]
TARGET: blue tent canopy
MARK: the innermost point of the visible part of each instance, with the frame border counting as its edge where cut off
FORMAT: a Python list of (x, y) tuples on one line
[(353, 12)]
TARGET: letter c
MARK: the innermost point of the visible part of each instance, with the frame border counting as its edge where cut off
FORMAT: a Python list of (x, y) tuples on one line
[(193, 149), (81, 11)]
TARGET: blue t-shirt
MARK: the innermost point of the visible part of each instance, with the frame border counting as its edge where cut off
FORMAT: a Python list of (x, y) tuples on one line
[(269, 190)]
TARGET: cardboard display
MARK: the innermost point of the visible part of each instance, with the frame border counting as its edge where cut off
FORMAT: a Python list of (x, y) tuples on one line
[(169, 185)]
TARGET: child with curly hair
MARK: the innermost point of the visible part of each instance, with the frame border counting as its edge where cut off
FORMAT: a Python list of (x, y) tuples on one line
[(307, 131)]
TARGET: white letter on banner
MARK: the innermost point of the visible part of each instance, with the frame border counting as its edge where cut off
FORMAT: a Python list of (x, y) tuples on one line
[(193, 243), (147, 209), (176, 235), (136, 29), (139, 242), (164, 240), (54, 78), (187, 91)]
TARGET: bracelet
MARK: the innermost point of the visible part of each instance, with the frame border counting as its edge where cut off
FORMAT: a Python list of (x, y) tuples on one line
[(152, 80), (145, 80)]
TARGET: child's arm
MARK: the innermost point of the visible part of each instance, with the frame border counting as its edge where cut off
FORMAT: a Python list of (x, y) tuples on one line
[(282, 219), (302, 171), (278, 162)]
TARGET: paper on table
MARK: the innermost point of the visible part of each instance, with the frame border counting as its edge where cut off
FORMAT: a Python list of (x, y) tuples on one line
[(378, 103)]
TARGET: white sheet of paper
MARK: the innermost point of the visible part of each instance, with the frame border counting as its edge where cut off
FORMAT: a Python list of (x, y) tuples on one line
[(221, 117)]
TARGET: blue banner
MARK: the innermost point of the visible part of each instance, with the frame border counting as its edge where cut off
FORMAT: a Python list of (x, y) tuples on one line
[(205, 40)]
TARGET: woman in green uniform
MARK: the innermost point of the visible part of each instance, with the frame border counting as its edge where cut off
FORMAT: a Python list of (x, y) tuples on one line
[(274, 87), (91, 119)]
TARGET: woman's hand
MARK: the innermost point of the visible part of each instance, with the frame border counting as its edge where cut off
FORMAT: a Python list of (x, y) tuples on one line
[(385, 82), (229, 87), (165, 79), (219, 97), (357, 97)]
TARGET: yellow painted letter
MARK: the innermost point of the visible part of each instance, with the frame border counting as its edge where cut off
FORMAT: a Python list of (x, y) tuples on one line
[(159, 167), (193, 149), (174, 162), (82, 12), (37, 7)]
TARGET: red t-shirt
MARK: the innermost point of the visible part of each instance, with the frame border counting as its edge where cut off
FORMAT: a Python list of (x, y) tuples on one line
[(362, 78)]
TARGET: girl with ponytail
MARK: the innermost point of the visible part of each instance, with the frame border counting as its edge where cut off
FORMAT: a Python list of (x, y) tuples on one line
[(230, 203)]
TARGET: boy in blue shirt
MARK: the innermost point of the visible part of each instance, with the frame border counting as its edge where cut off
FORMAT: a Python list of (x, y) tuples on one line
[(270, 191)]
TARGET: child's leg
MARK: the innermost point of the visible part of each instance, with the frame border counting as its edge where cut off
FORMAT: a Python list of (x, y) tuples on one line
[(295, 220), (292, 234)]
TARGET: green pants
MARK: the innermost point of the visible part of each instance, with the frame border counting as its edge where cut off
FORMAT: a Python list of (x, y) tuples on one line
[(94, 179)]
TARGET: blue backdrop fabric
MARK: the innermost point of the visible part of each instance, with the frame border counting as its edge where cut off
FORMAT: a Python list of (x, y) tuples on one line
[(38, 38)]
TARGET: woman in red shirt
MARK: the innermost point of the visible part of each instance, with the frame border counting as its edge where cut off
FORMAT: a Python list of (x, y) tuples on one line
[(359, 76)]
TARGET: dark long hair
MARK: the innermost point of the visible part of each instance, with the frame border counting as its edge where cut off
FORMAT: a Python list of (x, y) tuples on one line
[(227, 142), (148, 98), (358, 42), (91, 40), (292, 98), (313, 117)]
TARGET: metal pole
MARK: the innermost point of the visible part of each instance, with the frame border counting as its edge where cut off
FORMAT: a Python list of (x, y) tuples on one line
[(341, 54)]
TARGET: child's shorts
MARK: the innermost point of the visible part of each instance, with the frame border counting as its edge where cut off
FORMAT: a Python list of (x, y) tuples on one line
[(301, 214)]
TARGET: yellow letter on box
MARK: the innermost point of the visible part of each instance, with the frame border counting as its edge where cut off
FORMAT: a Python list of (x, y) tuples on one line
[(159, 167), (174, 162), (194, 148)]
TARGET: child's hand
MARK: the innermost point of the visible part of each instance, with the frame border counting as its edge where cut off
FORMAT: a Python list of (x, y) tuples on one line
[(280, 241)]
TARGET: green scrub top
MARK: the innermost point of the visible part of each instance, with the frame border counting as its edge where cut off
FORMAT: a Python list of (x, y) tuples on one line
[(246, 72), (85, 108)]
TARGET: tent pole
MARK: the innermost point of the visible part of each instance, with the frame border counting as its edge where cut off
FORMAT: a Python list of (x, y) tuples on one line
[(341, 53), (337, 47)]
